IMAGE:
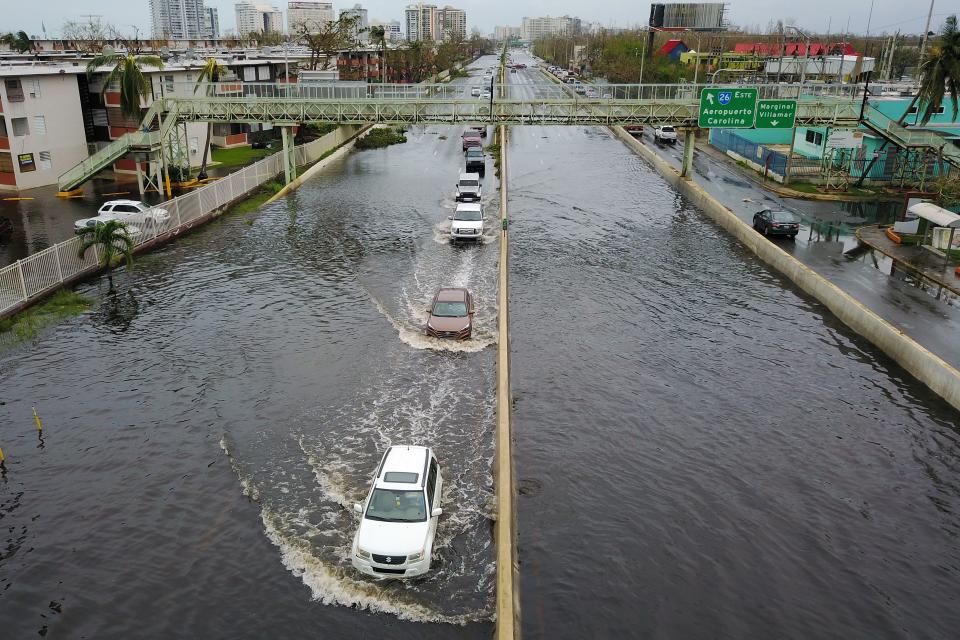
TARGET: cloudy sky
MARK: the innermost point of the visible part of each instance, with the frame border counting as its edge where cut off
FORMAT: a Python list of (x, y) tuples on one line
[(816, 15)]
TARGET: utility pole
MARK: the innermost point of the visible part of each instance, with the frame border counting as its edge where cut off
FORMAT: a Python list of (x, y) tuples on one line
[(923, 45)]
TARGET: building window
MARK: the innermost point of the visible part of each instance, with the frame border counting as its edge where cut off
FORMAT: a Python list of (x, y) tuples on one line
[(33, 85), (169, 84), (44, 161), (20, 127), (39, 126), (6, 163), (14, 90), (813, 137), (26, 162)]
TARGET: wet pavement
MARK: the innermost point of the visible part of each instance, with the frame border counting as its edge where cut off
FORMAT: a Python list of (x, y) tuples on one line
[(929, 315), (208, 427), (702, 450)]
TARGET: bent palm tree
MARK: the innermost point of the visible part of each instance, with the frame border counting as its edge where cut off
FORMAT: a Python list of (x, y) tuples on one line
[(18, 41), (127, 72), (379, 36), (211, 74), (115, 245), (941, 72)]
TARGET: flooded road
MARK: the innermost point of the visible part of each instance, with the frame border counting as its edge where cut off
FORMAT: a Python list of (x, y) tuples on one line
[(702, 451), (207, 429)]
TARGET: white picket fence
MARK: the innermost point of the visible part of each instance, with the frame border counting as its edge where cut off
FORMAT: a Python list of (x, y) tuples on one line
[(41, 272)]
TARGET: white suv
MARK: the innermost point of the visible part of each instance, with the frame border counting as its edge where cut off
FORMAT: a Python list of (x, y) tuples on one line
[(399, 517), (665, 134), (467, 222), (128, 211)]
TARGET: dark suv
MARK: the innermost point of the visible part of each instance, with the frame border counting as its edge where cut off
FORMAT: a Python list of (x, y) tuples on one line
[(451, 314), (476, 161)]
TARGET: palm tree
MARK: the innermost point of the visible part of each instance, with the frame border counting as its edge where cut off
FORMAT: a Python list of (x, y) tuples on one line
[(18, 41), (379, 36), (115, 245), (211, 74), (128, 73), (941, 72)]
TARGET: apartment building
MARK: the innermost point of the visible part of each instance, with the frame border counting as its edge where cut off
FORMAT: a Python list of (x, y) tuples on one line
[(453, 23), (178, 19), (534, 28), (42, 129), (258, 18), (312, 15), (360, 33), (506, 33), (421, 22), (211, 23)]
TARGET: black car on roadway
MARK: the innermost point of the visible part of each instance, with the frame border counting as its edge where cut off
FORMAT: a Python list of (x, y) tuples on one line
[(771, 222)]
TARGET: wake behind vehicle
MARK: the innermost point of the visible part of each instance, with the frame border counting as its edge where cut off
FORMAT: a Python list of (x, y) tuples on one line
[(451, 314), (398, 519), (466, 223), (468, 188), (776, 223)]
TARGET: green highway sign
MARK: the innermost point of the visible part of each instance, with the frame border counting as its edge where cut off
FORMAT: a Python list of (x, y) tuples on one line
[(776, 114), (727, 107)]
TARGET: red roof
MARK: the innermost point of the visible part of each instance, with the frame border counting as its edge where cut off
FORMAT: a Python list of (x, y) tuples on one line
[(670, 45), (795, 48)]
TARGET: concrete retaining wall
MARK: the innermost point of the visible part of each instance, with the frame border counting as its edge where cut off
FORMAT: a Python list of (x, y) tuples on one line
[(923, 364)]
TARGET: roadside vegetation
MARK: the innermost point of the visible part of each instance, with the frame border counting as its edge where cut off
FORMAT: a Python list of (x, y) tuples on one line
[(239, 156), (31, 322), (114, 243), (256, 199), (381, 137)]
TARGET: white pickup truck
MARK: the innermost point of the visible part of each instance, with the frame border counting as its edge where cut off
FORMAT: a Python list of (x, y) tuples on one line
[(665, 134)]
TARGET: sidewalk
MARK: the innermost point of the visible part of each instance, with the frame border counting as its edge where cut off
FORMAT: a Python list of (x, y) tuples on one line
[(828, 231)]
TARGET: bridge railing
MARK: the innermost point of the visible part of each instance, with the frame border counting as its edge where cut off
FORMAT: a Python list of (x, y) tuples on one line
[(339, 91)]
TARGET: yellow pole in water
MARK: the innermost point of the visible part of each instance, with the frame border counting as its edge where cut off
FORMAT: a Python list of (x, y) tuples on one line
[(37, 420), (2, 457)]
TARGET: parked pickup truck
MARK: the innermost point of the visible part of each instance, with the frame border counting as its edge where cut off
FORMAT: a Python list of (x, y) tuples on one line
[(665, 134), (634, 129)]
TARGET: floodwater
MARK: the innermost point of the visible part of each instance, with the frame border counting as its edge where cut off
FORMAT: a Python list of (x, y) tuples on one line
[(703, 451), (208, 428)]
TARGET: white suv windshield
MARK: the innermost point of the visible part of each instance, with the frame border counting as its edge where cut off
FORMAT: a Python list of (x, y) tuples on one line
[(389, 505), (469, 183), (468, 216)]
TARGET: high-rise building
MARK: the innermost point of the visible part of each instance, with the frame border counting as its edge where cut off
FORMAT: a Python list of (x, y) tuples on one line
[(258, 18), (505, 33), (360, 32), (453, 23), (422, 22), (309, 15), (534, 28), (211, 24), (178, 19)]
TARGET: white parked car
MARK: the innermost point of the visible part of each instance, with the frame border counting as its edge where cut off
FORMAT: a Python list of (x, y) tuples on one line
[(129, 211), (665, 134), (399, 517), (475, 92), (467, 222)]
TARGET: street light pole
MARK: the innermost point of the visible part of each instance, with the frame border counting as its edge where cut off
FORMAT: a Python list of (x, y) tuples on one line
[(806, 51)]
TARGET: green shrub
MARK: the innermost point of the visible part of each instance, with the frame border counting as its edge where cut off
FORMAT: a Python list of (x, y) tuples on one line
[(379, 138)]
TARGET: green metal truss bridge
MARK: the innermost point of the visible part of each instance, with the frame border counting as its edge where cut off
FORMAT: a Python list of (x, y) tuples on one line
[(163, 137)]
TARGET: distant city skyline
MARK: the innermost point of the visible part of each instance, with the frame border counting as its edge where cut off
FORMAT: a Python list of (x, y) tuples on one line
[(812, 15)]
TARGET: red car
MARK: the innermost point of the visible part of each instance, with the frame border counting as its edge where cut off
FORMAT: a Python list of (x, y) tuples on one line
[(471, 138)]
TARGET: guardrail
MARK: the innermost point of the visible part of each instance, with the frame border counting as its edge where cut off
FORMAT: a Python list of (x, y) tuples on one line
[(42, 272)]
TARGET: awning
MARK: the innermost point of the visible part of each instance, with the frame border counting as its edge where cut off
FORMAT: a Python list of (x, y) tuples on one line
[(937, 215)]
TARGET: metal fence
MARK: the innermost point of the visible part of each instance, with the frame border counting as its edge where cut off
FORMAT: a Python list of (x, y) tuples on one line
[(41, 272), (727, 140)]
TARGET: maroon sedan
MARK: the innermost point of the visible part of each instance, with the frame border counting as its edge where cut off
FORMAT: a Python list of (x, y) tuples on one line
[(471, 138), (451, 314)]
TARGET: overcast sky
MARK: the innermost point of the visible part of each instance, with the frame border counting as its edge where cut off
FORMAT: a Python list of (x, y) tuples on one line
[(816, 15)]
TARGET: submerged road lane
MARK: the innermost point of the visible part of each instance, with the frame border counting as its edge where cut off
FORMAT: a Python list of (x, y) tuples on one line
[(208, 428), (703, 452)]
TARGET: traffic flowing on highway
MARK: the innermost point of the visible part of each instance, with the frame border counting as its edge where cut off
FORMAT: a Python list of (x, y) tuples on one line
[(230, 404), (702, 451)]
